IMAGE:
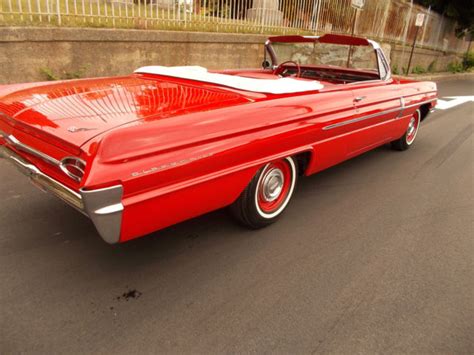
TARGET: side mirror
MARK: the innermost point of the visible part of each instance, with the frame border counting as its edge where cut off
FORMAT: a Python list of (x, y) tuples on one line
[(265, 64)]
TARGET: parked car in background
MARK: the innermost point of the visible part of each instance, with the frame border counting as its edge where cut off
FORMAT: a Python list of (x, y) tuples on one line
[(142, 152)]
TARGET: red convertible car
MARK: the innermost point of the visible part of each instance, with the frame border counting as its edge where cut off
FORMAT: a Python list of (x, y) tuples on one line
[(141, 152)]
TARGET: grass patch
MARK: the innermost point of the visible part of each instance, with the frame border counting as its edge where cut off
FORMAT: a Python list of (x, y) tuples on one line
[(50, 75), (418, 69), (455, 67)]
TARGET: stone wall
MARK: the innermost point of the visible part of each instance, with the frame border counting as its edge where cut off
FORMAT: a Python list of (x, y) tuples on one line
[(26, 53), (422, 57)]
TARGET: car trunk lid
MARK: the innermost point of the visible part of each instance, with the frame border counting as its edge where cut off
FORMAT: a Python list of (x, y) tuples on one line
[(77, 111)]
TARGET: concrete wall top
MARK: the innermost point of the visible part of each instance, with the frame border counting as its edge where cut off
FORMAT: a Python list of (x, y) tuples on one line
[(41, 34)]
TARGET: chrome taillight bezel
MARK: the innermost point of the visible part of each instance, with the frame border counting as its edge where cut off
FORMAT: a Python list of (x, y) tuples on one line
[(77, 165)]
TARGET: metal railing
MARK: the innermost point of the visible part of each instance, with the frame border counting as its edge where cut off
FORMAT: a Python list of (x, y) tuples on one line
[(387, 20)]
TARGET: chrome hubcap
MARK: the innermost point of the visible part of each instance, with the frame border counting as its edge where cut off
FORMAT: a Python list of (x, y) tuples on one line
[(411, 126), (272, 185)]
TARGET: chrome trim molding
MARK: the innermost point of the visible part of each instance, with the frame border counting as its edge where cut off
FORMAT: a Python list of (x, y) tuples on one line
[(365, 82), (103, 206), (80, 164), (42, 180), (76, 163), (402, 102), (11, 140), (420, 103), (380, 54), (358, 119), (375, 46), (402, 106), (414, 105)]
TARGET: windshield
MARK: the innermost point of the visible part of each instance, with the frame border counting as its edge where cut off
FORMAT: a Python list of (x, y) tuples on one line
[(315, 54)]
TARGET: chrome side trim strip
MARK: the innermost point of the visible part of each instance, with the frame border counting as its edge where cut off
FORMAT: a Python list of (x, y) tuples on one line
[(11, 140), (358, 119), (420, 103), (365, 82), (414, 105)]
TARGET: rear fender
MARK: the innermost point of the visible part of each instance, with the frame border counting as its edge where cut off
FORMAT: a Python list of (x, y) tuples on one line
[(156, 209)]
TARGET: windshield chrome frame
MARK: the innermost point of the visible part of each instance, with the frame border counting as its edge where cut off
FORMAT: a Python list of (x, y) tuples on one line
[(375, 46)]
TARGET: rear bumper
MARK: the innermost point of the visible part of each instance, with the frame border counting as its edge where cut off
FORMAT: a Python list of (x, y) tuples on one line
[(103, 206)]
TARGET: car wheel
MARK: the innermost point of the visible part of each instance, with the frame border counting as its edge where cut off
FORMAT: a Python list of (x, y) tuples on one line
[(267, 195), (409, 137)]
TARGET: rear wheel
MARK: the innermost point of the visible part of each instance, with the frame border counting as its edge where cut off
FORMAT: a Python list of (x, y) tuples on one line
[(409, 137), (267, 195)]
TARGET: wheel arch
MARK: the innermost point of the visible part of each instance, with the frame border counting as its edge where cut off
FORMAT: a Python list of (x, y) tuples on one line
[(302, 157), (303, 160), (424, 111)]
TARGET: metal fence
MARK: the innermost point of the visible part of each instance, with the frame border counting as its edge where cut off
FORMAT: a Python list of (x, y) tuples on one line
[(391, 20)]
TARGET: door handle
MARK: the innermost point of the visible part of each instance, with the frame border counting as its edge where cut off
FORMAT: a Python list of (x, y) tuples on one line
[(359, 98)]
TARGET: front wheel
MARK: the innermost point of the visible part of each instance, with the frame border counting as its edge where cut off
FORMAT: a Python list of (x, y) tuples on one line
[(408, 138), (267, 195)]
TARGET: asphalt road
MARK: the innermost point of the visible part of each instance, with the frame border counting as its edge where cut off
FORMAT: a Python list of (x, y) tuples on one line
[(373, 255)]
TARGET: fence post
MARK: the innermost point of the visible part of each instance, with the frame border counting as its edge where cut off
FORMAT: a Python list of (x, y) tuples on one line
[(30, 11), (113, 12), (318, 25), (352, 35), (179, 12), (58, 10), (381, 32), (405, 31), (439, 31), (185, 15), (315, 15)]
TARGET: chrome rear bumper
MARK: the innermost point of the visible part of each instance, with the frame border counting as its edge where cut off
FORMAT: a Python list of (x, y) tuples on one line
[(103, 206)]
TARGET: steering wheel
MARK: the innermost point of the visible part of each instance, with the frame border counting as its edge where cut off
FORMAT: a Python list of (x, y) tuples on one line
[(280, 68)]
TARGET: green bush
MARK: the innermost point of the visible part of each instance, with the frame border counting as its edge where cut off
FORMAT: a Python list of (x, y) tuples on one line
[(455, 67), (50, 75), (432, 67), (469, 61), (76, 74), (395, 70), (418, 69)]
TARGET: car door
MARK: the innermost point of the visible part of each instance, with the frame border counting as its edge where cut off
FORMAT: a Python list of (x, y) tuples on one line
[(334, 108), (376, 106)]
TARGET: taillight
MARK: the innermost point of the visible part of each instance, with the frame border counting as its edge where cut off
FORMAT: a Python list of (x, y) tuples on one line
[(73, 167)]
